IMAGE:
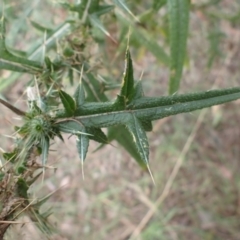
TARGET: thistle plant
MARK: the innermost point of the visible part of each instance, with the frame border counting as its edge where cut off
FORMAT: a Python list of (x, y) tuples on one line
[(52, 111)]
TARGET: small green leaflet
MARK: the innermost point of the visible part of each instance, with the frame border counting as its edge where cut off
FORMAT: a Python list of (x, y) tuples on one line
[(68, 102)]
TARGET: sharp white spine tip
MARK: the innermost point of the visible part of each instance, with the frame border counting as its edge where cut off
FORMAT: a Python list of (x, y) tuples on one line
[(150, 172)]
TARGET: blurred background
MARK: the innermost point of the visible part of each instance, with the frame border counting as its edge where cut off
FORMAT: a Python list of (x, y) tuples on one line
[(194, 157)]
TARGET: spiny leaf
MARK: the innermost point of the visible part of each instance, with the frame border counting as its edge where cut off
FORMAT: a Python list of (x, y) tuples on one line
[(97, 135), (82, 147), (147, 112), (128, 78), (181, 98), (11, 62), (124, 138), (68, 102), (139, 137), (178, 12), (70, 126)]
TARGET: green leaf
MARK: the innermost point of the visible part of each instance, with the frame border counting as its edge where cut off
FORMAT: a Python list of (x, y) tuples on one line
[(150, 102), (11, 62), (128, 78), (178, 12), (139, 137), (124, 138), (146, 111), (97, 135), (68, 102), (82, 146), (70, 126)]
